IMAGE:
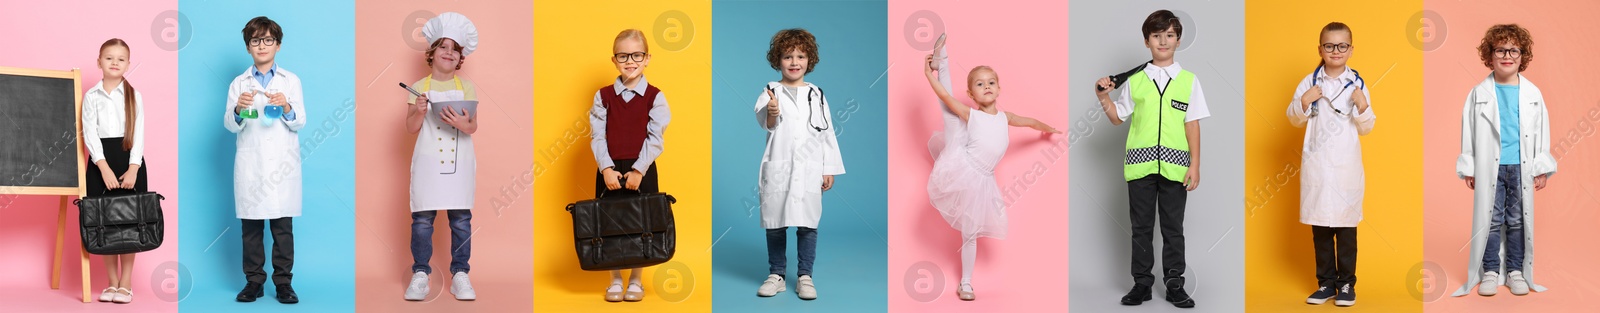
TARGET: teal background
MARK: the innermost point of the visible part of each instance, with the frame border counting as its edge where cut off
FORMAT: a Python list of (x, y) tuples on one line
[(850, 269)]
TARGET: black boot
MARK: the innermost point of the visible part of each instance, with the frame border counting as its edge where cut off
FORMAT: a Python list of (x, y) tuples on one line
[(1138, 295), (252, 290), (286, 295), (1179, 298)]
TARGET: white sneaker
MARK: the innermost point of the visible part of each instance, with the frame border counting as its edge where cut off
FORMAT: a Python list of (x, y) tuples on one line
[(1489, 284), (806, 288), (1518, 283), (461, 286), (772, 286), (418, 288)]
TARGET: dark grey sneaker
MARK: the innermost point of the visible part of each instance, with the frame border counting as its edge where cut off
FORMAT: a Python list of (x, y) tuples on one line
[(1321, 296), (1347, 296)]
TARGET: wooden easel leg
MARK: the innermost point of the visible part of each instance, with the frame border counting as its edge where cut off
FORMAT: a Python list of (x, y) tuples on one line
[(83, 260), (85, 266), (61, 226)]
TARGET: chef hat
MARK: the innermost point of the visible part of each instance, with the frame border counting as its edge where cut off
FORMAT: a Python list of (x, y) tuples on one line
[(454, 26)]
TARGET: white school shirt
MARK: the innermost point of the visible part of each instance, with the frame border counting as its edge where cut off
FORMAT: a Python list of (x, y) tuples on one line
[(1197, 99), (1332, 180), (105, 116), (797, 156), (266, 164)]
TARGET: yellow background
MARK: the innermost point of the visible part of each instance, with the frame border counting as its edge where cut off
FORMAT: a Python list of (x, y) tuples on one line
[(572, 49), (1281, 39)]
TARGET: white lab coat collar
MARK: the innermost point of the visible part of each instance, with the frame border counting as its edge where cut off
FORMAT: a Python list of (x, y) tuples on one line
[(1347, 76), (778, 88), (1528, 98)]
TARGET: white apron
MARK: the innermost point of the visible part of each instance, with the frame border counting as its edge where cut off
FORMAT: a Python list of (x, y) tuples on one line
[(266, 164), (1332, 180), (444, 166), (1480, 158), (797, 157)]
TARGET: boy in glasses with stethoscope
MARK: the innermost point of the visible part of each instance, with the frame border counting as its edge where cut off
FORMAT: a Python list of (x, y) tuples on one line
[(1331, 104)]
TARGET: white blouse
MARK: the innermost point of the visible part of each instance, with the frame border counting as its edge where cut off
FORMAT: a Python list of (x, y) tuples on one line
[(104, 116)]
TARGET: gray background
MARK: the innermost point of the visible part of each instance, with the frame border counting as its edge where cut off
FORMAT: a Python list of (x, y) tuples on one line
[(1104, 39)]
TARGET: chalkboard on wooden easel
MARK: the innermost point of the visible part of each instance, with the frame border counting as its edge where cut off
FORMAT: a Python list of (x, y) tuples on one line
[(40, 132)]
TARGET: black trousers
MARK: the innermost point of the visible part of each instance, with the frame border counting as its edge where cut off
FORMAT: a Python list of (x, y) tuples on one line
[(1336, 255), (648, 185), (1148, 197), (282, 250)]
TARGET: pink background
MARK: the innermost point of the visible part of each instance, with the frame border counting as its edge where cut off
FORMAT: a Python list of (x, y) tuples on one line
[(1564, 214), (75, 32), (1011, 274), (502, 68)]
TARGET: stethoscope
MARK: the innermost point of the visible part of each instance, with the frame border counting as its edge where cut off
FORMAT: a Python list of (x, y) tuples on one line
[(1315, 84), (811, 109)]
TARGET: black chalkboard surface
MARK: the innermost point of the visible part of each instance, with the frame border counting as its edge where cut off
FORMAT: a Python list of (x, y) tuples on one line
[(40, 133)]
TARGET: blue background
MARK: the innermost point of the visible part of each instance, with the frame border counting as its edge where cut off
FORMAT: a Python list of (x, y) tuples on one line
[(319, 47), (851, 243)]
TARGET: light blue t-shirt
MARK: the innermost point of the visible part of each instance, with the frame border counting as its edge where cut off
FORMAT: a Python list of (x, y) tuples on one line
[(1510, 124)]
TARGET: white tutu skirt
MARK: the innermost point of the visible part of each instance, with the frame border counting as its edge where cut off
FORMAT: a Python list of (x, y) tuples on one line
[(966, 195)]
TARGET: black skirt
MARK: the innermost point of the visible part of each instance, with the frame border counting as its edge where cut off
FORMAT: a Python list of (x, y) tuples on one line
[(117, 159)]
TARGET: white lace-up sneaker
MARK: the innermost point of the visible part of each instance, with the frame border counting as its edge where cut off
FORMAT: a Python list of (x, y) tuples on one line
[(461, 286), (418, 289)]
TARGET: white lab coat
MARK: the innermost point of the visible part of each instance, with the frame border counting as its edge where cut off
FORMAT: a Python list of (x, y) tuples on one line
[(1332, 180), (266, 166), (1480, 158), (797, 157)]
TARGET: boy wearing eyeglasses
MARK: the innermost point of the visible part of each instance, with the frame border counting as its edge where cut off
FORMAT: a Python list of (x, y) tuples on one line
[(1164, 105), (1505, 144), (266, 109)]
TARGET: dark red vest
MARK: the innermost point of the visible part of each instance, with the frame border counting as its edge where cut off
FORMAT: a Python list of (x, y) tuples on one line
[(627, 122)]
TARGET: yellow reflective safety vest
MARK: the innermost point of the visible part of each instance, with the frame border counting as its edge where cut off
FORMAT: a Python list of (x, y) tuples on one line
[(1157, 141)]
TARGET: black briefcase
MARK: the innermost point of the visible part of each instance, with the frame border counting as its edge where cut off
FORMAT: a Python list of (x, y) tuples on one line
[(623, 232), (121, 224)]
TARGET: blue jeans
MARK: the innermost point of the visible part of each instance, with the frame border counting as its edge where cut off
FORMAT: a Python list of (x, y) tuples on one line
[(1507, 216), (460, 240), (805, 246)]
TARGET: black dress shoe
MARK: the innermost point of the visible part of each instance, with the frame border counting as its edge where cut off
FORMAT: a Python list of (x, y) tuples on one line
[(1138, 295), (251, 291), (286, 295), (1179, 298)]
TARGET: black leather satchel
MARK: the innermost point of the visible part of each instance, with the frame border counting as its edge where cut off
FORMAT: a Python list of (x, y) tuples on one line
[(121, 224), (623, 232)]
